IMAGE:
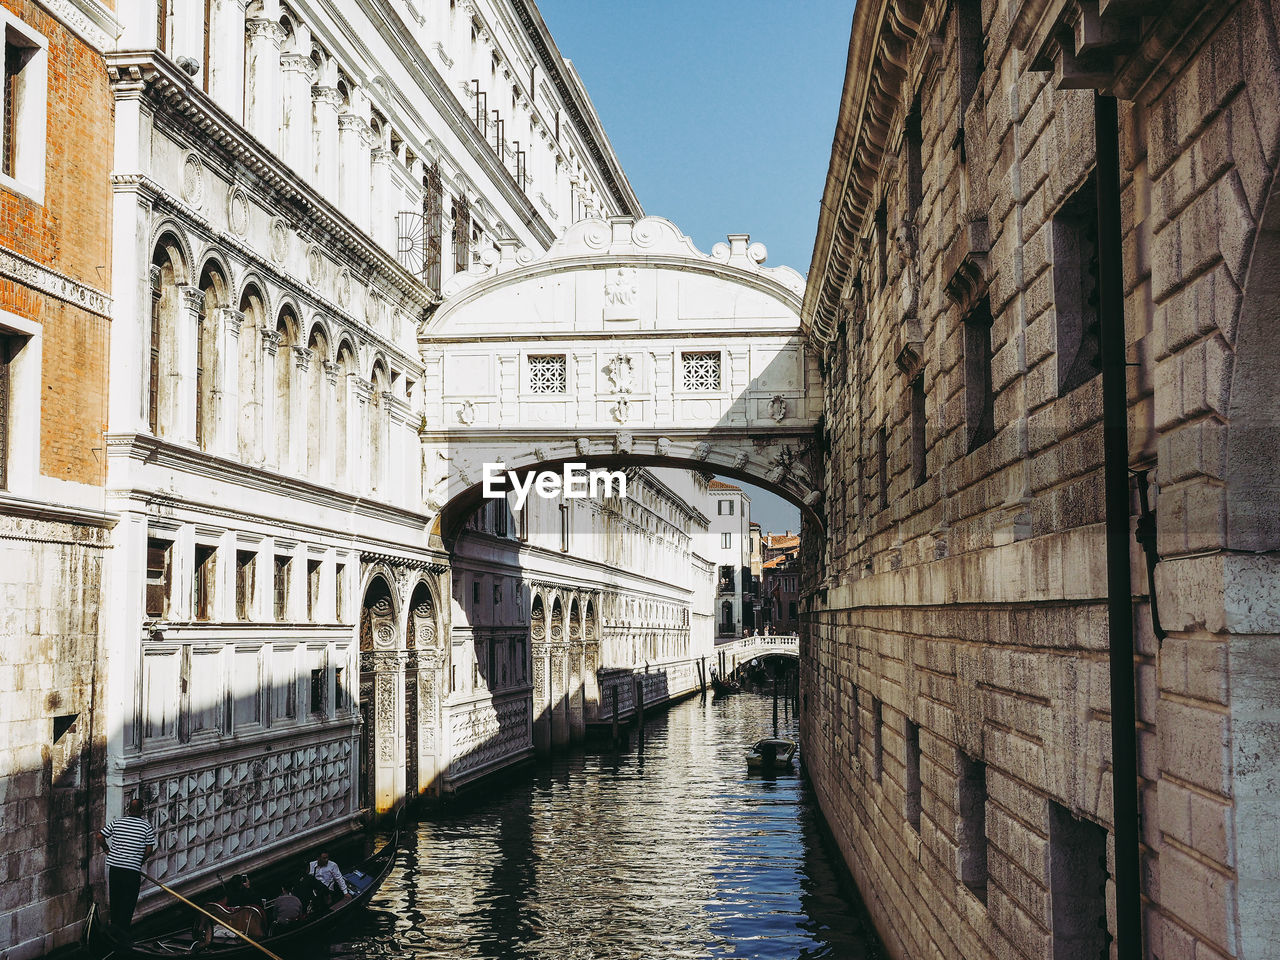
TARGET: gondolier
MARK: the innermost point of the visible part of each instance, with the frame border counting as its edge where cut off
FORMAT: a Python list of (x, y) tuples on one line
[(127, 841)]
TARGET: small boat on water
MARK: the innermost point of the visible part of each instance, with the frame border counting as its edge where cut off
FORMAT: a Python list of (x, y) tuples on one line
[(203, 938), (719, 685), (772, 754)]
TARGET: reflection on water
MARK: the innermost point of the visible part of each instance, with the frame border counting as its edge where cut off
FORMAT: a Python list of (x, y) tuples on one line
[(664, 850)]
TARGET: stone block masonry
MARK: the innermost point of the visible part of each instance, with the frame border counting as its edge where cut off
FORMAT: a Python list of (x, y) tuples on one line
[(955, 679), (55, 269)]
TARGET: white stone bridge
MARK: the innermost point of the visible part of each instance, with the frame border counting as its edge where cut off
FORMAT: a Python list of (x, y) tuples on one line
[(732, 654), (623, 344)]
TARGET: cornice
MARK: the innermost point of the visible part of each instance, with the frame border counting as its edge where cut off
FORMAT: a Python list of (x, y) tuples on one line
[(879, 56), (187, 107), (163, 453), (88, 19), (38, 276), (1110, 47), (573, 95)]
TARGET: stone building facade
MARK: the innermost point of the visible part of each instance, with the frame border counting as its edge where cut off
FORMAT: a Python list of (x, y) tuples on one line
[(958, 652), (292, 187), (55, 273)]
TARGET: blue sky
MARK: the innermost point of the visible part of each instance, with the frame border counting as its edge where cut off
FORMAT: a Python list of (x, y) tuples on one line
[(722, 113)]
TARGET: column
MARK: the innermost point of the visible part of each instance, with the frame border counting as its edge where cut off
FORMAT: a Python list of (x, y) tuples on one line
[(226, 383), (182, 408), (298, 425), (227, 56), (358, 434), (328, 420), (130, 260), (541, 699), (297, 74), (354, 137), (577, 715), (382, 225), (267, 383), (559, 694), (327, 149), (262, 83)]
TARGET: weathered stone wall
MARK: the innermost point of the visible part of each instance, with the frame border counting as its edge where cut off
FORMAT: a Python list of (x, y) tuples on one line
[(958, 627), (51, 742)]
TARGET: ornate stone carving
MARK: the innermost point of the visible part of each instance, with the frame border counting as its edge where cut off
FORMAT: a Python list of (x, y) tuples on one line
[(583, 446), (193, 180), (740, 461), (238, 211), (621, 373), (279, 240), (702, 451), (622, 443), (621, 410), (662, 446), (385, 716), (467, 413), (209, 810)]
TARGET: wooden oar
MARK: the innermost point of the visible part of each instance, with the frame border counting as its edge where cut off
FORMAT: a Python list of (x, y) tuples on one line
[(221, 923)]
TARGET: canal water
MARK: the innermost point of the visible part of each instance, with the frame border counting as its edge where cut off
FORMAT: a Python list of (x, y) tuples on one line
[(659, 850)]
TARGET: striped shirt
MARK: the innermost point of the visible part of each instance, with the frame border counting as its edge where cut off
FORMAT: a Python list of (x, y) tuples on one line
[(128, 838)]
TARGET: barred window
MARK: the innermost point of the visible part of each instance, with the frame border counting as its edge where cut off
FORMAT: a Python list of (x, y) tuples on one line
[(702, 370), (548, 373)]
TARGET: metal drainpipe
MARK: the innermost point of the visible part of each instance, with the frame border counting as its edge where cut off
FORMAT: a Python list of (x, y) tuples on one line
[(1115, 442)]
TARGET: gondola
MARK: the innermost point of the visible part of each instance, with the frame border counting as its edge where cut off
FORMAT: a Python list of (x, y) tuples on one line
[(724, 686), (364, 881)]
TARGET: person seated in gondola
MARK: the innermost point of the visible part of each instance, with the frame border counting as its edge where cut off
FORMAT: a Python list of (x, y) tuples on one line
[(328, 885), (241, 894), (287, 909)]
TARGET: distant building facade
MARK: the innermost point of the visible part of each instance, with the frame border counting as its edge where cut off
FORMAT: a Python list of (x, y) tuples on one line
[(987, 228), (730, 551), (780, 582), (55, 520)]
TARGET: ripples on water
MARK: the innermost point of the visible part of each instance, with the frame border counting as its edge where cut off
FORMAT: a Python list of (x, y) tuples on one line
[(666, 851)]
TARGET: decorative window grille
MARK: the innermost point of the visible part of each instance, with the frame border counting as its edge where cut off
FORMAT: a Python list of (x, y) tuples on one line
[(433, 215), (548, 374), (702, 370), (461, 234), (12, 72)]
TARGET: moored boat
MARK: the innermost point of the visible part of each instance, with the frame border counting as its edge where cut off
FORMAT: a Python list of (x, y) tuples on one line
[(771, 754), (363, 882)]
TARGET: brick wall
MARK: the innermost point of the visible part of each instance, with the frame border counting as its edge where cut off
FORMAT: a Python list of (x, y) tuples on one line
[(70, 234), (52, 741), (971, 605)]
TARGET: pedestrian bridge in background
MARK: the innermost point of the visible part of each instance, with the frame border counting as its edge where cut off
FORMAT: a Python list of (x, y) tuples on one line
[(732, 654), (622, 345)]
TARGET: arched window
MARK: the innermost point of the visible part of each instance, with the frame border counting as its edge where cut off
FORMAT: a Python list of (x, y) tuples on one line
[(342, 401), (167, 272), (317, 406), (287, 329), (253, 306), (213, 290)]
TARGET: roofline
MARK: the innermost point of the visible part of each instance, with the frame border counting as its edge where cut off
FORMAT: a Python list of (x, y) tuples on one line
[(581, 110), (863, 36)]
